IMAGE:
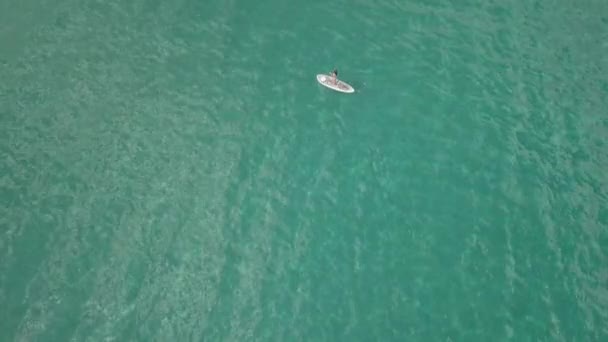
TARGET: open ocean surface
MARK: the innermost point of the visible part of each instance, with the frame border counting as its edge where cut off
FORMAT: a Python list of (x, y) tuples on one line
[(172, 171)]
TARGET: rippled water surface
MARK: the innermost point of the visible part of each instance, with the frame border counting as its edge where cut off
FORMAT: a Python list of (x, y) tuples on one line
[(172, 171)]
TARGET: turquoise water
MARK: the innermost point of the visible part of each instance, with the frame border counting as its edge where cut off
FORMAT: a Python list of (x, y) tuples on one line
[(172, 171)]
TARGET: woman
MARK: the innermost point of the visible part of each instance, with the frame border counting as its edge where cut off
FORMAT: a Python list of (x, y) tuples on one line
[(334, 75)]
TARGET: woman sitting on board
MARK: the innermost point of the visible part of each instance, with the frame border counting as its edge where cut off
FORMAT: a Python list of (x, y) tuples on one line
[(334, 75)]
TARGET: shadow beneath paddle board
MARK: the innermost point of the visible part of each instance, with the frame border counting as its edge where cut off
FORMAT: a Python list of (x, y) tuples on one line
[(360, 87), (354, 81)]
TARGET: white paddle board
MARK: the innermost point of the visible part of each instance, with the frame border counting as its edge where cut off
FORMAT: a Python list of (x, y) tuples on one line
[(340, 86)]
